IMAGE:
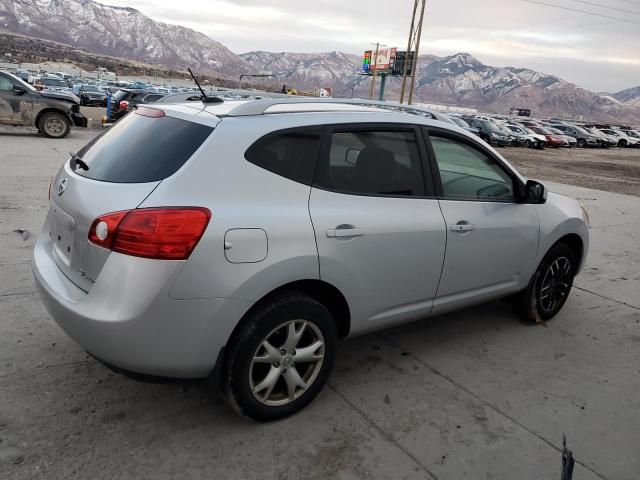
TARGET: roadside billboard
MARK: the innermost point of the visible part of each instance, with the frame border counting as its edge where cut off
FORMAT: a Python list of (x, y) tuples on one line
[(384, 61)]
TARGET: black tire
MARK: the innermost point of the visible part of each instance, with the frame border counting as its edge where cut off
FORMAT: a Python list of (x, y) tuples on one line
[(542, 145), (270, 322), (527, 143), (54, 125), (531, 303), (622, 143), (582, 143)]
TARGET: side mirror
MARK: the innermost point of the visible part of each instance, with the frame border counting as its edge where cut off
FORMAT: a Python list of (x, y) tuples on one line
[(534, 192), (18, 90)]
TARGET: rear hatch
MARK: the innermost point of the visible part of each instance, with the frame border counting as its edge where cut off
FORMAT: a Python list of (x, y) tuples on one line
[(115, 171)]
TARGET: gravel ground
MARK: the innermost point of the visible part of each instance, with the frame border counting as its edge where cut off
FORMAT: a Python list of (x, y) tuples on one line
[(613, 170)]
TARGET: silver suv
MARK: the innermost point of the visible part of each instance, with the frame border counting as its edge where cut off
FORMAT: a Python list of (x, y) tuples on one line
[(241, 240)]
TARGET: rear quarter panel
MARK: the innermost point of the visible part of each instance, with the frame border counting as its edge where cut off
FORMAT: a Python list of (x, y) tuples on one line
[(240, 195)]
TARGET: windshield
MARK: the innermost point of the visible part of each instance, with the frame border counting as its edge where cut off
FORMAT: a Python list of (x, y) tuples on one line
[(23, 84), (555, 131), (90, 88), (460, 122), (542, 130), (581, 130)]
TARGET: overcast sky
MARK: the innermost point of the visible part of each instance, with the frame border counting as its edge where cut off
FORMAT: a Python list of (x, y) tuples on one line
[(597, 53)]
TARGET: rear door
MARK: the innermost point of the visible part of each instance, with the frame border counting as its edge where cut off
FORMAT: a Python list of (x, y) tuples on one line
[(379, 231), (492, 240), (123, 166)]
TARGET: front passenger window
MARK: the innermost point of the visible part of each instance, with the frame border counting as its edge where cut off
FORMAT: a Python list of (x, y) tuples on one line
[(468, 173)]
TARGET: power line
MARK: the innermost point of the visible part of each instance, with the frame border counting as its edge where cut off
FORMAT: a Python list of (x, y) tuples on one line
[(600, 5), (593, 14)]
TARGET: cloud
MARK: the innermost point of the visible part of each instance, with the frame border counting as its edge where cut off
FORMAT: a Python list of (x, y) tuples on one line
[(505, 32)]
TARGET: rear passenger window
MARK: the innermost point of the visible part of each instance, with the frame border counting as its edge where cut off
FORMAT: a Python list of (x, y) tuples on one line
[(372, 162), (290, 153)]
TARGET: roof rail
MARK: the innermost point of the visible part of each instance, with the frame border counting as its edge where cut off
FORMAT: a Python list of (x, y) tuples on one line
[(260, 107)]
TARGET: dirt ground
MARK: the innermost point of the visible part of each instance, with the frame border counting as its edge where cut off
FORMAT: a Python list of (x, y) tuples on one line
[(614, 169)]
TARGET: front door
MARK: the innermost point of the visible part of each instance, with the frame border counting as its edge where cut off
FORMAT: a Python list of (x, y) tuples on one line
[(15, 107), (492, 240), (380, 238)]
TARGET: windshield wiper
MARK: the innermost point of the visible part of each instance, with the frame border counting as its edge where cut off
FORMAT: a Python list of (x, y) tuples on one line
[(78, 162)]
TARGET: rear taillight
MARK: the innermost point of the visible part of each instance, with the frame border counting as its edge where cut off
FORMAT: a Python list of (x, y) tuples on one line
[(123, 105), (160, 233)]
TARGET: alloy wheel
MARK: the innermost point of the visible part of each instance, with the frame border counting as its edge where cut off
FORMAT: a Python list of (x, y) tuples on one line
[(555, 285), (286, 363)]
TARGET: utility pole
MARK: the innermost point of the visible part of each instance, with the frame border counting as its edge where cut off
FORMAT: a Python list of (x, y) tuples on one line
[(415, 32), (375, 71)]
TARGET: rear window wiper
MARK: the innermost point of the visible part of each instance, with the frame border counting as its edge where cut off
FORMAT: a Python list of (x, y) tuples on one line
[(76, 161)]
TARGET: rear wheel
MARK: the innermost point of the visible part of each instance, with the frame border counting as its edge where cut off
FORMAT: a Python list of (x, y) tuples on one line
[(550, 286), (54, 125), (280, 358), (582, 143)]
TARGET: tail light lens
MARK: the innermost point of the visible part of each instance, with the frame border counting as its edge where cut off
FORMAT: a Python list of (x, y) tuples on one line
[(159, 233), (123, 105)]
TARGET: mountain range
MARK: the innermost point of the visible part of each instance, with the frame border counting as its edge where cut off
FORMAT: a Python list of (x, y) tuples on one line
[(459, 79)]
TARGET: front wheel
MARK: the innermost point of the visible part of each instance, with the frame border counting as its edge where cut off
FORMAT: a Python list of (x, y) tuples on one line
[(527, 143), (280, 358), (582, 143), (622, 143), (550, 286), (54, 125)]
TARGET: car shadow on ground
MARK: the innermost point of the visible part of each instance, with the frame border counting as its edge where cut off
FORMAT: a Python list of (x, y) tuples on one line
[(382, 346)]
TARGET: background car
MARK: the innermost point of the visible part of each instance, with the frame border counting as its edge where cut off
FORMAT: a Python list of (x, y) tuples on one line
[(623, 139), (584, 138), (92, 95), (52, 112), (535, 140), (571, 141), (124, 100), (52, 83), (491, 133), (607, 140), (553, 140)]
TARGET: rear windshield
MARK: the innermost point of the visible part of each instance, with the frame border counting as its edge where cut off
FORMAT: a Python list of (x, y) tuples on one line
[(140, 149)]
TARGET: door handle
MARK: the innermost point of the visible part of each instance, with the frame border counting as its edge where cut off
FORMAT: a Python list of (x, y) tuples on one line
[(462, 226), (345, 232)]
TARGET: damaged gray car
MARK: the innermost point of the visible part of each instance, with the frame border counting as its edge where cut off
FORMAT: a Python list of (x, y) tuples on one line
[(52, 113)]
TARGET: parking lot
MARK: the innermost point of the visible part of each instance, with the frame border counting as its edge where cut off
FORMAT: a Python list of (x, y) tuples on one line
[(473, 394)]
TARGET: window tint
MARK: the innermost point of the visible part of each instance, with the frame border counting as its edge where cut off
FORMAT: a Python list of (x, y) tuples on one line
[(372, 163), (468, 173), (291, 153), (141, 149)]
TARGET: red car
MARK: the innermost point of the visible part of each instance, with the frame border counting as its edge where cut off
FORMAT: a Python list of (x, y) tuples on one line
[(552, 139)]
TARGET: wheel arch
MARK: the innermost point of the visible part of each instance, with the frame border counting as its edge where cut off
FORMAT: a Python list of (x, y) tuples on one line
[(575, 243), (53, 110), (321, 291)]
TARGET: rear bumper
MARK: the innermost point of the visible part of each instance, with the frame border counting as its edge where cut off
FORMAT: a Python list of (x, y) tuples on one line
[(128, 320)]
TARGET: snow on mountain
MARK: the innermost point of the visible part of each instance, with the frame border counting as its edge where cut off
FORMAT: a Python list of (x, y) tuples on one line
[(630, 95), (119, 31)]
